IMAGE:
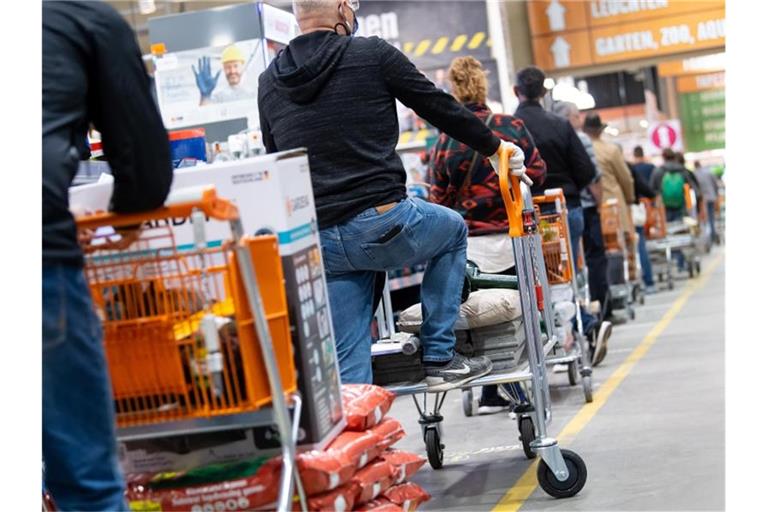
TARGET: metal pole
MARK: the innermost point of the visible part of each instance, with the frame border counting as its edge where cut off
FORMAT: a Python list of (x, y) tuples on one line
[(279, 403)]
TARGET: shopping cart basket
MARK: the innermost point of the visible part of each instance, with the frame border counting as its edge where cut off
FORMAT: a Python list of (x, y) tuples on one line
[(561, 274), (562, 473), (191, 343), (655, 230), (617, 245)]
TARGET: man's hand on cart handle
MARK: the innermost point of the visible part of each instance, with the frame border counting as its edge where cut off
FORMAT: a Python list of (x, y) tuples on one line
[(516, 161)]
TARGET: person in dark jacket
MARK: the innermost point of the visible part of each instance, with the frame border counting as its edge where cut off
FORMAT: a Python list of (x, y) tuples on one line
[(461, 180), (643, 189), (92, 74), (568, 164), (335, 95), (672, 165)]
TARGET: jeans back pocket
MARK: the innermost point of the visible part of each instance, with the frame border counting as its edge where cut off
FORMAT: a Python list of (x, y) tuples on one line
[(393, 253)]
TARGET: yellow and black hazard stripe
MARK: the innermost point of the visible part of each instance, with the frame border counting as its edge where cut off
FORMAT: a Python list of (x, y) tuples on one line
[(446, 44), (414, 136)]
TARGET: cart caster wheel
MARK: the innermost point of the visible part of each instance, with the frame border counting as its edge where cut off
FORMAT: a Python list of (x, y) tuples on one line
[(698, 268), (642, 298), (691, 270), (577, 477), (631, 312), (586, 383), (573, 373), (670, 284), (467, 401), (435, 448), (527, 436)]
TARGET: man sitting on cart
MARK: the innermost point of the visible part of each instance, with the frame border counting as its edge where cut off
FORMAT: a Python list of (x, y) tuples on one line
[(335, 94), (464, 180)]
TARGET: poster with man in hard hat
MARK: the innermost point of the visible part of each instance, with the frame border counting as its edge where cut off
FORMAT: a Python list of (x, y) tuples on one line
[(214, 90), (211, 84)]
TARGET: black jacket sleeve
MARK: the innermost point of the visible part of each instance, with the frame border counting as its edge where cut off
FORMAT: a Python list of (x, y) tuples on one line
[(133, 136), (642, 188), (266, 132), (582, 168), (440, 109)]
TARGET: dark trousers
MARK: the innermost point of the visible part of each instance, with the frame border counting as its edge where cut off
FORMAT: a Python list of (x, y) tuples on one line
[(594, 255)]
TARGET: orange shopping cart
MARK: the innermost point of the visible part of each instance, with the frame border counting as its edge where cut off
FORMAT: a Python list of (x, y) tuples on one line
[(191, 342), (659, 251), (620, 251), (561, 274)]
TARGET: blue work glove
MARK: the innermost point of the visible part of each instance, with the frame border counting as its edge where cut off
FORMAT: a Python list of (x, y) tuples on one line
[(205, 82)]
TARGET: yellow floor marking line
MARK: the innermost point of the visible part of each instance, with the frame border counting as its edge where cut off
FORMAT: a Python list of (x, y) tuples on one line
[(524, 487)]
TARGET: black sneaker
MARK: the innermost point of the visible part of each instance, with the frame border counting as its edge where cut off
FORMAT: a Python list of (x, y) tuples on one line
[(493, 405), (456, 373)]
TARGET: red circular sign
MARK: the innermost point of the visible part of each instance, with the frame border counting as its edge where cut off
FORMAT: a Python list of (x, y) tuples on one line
[(664, 136)]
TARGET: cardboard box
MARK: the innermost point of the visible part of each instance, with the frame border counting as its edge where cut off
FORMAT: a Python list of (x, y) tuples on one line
[(274, 194)]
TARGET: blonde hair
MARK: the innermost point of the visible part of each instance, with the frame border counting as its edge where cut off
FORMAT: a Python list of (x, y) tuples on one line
[(468, 81)]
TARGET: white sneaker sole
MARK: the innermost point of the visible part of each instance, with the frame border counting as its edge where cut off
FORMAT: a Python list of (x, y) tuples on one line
[(491, 409), (601, 346), (437, 384)]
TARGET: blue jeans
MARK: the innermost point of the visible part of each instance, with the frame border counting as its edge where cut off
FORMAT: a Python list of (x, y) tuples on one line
[(645, 260), (672, 216), (79, 448), (353, 253), (711, 217), (576, 228)]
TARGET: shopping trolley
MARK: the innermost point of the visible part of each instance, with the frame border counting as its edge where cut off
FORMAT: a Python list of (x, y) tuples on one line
[(618, 245), (659, 251), (561, 473), (684, 235), (561, 274), (191, 343)]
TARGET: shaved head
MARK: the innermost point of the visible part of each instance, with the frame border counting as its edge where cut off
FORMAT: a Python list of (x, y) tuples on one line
[(305, 8), (314, 15)]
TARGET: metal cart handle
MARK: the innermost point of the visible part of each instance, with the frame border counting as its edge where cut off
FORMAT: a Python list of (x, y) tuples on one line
[(180, 204), (511, 193)]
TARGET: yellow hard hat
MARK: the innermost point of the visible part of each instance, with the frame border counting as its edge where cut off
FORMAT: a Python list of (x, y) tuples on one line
[(232, 53)]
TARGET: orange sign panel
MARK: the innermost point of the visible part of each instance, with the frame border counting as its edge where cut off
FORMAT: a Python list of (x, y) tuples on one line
[(567, 50), (695, 31), (546, 17), (610, 12), (703, 82), (693, 66)]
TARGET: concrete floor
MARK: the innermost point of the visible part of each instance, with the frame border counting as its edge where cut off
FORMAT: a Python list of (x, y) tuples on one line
[(658, 443)]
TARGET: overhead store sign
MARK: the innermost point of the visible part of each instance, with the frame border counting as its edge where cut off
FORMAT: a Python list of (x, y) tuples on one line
[(702, 82), (703, 117), (570, 34), (693, 66), (430, 35)]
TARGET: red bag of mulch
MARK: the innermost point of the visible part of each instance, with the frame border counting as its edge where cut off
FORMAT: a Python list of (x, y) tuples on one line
[(247, 485), (390, 430), (379, 505), (358, 447), (405, 464), (337, 500), (365, 405), (374, 479), (409, 496), (322, 471)]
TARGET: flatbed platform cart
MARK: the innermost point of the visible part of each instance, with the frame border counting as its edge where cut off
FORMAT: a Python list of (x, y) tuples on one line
[(191, 343), (561, 275), (561, 473)]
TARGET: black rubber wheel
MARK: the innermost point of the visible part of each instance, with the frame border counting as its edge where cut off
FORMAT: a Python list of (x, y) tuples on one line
[(586, 383), (577, 477), (467, 401), (670, 283), (642, 298), (573, 373), (434, 448), (631, 312), (698, 268), (691, 270), (527, 436)]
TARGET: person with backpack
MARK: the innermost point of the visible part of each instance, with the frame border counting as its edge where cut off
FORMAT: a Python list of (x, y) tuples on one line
[(462, 179), (669, 180)]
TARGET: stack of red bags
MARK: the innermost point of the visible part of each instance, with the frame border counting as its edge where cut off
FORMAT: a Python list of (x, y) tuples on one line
[(360, 470)]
